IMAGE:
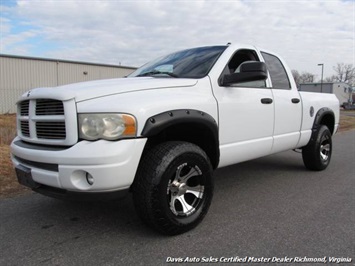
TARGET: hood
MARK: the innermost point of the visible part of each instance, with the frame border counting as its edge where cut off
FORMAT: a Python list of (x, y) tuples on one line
[(100, 88)]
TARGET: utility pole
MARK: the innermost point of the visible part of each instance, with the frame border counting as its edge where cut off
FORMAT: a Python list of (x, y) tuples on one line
[(321, 80)]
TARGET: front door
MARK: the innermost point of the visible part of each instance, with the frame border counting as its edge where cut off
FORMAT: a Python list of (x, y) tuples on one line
[(246, 115)]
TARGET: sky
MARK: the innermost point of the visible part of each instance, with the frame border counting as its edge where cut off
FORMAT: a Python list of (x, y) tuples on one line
[(131, 33)]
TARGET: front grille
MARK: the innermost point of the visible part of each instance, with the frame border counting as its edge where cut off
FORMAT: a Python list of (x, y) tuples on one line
[(24, 106), (25, 128), (47, 121), (50, 130), (49, 107)]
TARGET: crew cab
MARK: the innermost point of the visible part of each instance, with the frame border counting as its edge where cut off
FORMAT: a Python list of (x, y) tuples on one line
[(160, 132)]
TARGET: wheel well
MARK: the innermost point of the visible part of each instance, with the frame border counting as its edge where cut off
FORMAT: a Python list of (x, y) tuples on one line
[(196, 133), (325, 116), (329, 121), (192, 126)]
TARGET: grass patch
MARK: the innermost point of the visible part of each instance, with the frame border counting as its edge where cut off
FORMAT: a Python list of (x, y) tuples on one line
[(7, 128), (347, 120), (8, 182)]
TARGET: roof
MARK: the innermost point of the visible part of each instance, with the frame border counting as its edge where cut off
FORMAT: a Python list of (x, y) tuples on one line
[(63, 61), (323, 83)]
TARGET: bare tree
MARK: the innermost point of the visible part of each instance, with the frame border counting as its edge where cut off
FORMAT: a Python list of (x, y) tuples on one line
[(345, 73), (296, 76), (330, 79), (305, 77)]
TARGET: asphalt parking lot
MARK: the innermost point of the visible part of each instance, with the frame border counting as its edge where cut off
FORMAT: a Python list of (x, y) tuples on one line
[(270, 207)]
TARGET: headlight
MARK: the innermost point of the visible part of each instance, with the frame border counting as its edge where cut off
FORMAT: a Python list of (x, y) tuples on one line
[(106, 126)]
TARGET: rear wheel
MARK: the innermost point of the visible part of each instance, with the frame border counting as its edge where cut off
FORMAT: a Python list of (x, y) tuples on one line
[(173, 187), (317, 154)]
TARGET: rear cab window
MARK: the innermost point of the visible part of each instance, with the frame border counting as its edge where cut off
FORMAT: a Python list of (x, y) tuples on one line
[(277, 72)]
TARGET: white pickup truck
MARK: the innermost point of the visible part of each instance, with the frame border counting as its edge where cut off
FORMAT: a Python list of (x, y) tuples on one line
[(160, 132)]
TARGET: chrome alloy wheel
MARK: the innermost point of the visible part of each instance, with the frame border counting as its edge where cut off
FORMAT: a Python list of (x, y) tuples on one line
[(325, 148), (185, 190)]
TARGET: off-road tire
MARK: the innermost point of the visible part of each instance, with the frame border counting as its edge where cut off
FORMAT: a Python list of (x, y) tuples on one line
[(173, 187), (318, 152)]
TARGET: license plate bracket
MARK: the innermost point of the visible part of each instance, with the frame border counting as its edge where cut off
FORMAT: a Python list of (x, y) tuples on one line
[(24, 177)]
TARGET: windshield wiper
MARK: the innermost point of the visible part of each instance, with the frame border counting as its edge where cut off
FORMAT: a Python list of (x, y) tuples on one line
[(155, 72)]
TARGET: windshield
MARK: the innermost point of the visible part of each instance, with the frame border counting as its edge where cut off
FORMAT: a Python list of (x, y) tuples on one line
[(191, 63)]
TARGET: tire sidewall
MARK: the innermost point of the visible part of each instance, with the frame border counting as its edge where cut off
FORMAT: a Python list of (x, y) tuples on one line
[(192, 159), (167, 169), (311, 153)]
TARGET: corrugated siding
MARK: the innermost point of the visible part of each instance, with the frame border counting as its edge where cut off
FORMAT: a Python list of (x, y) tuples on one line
[(18, 75), (70, 72)]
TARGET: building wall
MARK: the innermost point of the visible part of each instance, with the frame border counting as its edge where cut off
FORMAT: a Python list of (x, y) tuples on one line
[(317, 87), (20, 74), (341, 90)]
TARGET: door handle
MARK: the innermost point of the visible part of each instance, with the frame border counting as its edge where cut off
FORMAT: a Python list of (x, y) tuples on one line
[(266, 100), (295, 100)]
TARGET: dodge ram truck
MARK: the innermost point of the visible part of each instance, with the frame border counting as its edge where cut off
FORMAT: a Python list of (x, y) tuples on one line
[(160, 132)]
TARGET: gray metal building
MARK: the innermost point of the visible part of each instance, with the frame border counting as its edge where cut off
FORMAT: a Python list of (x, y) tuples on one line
[(19, 74), (341, 90)]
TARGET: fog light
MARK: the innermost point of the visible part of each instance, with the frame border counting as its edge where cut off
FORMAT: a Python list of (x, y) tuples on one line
[(89, 179)]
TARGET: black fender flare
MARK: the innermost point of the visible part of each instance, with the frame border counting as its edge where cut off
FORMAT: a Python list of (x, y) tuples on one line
[(158, 123), (318, 118)]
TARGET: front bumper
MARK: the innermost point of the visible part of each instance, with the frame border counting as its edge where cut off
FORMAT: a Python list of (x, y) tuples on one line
[(111, 164)]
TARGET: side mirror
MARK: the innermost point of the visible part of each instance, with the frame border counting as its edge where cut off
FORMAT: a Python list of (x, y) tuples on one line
[(249, 71)]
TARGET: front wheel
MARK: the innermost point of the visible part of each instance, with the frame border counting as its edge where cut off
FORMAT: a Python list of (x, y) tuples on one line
[(318, 152), (173, 188)]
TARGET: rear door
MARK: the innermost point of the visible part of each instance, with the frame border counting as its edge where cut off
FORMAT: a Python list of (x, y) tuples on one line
[(287, 102)]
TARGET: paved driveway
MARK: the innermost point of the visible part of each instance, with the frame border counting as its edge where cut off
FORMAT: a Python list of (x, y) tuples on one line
[(270, 207)]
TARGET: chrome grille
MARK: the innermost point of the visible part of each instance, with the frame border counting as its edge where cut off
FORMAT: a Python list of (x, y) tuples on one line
[(50, 130)]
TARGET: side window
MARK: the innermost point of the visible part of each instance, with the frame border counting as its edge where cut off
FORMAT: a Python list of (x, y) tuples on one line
[(277, 72), (233, 66)]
